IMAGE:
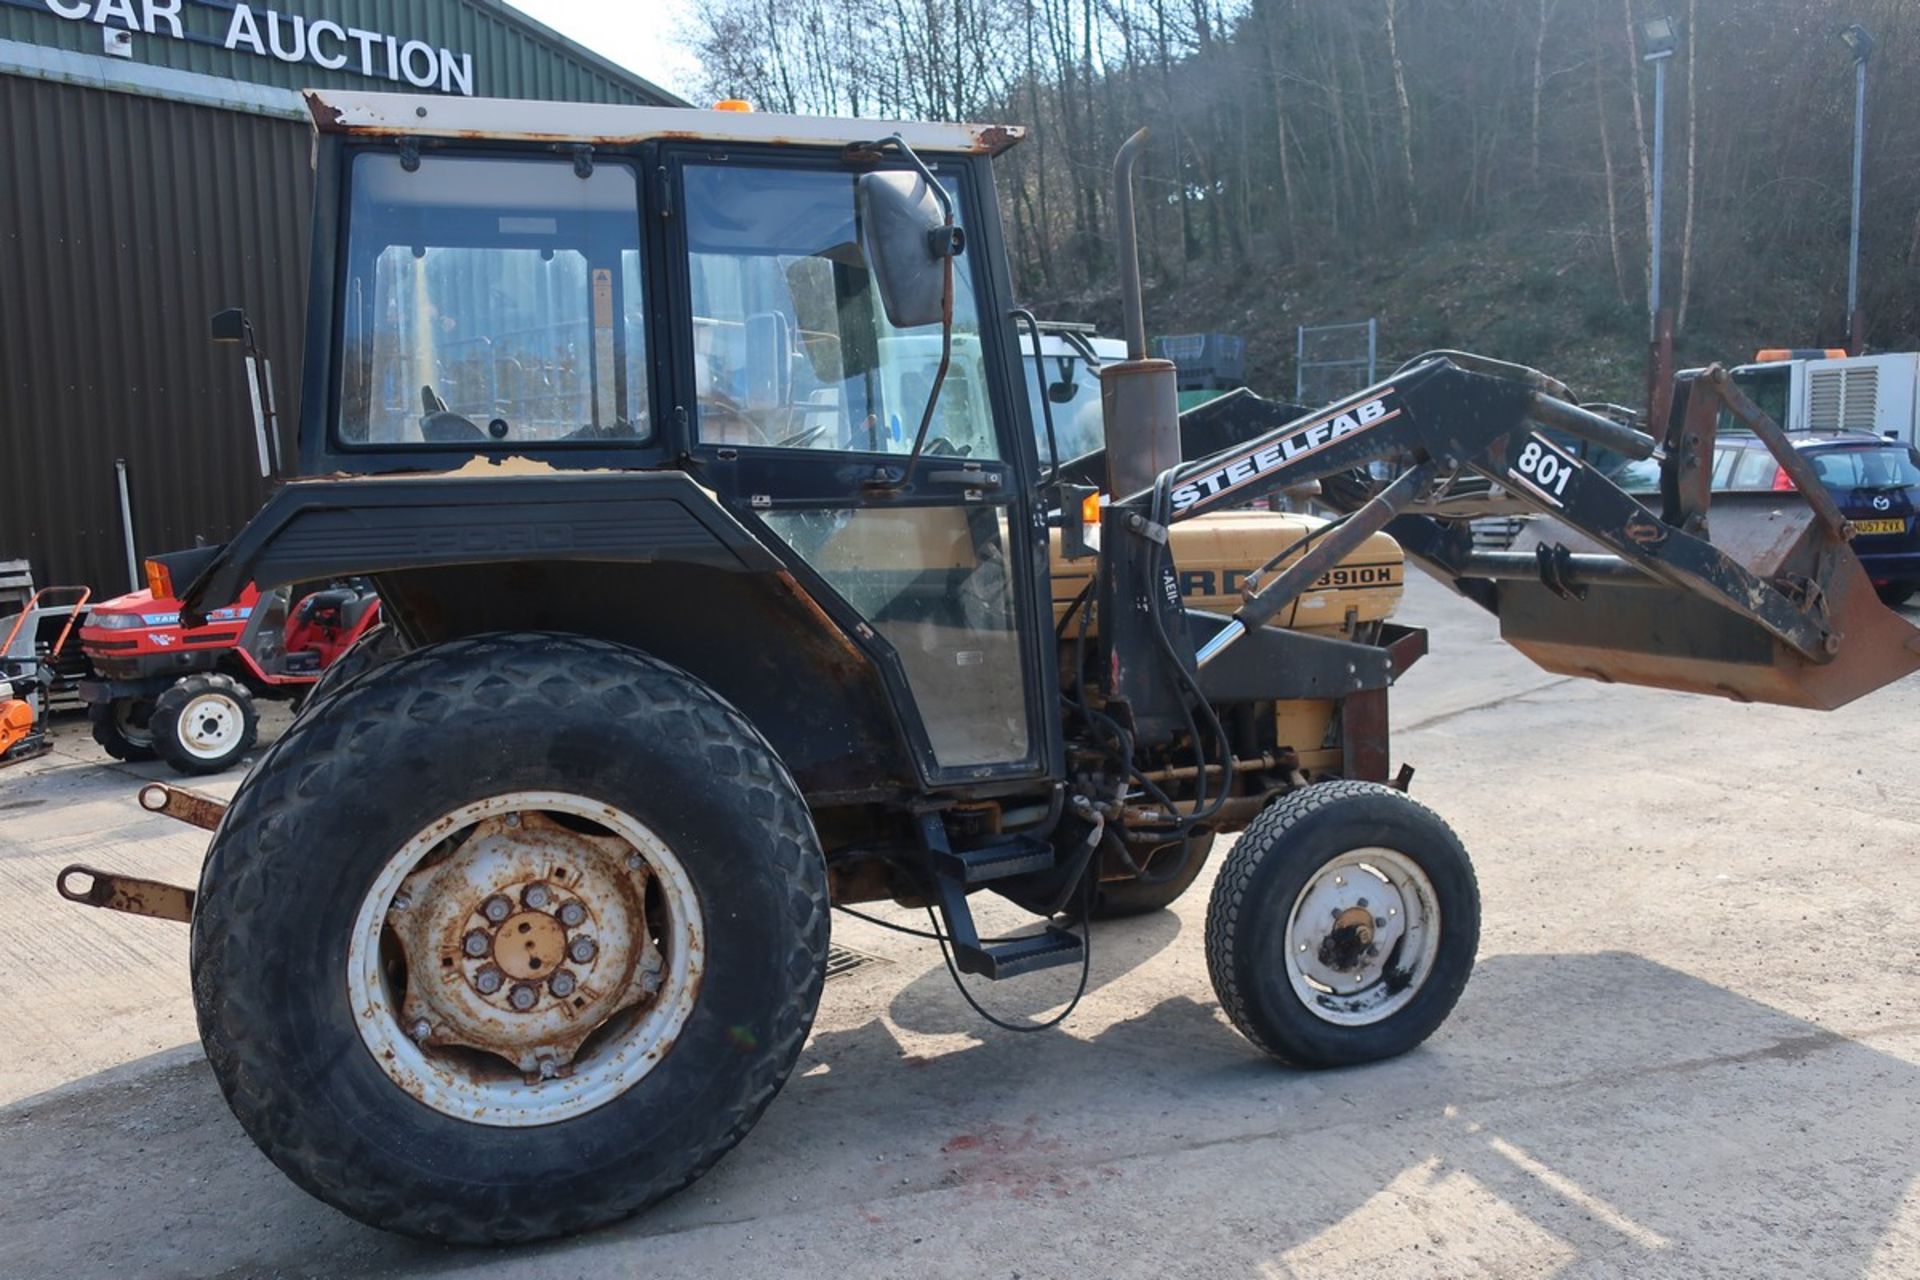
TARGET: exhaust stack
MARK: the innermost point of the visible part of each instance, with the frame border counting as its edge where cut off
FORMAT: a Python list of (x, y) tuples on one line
[(1139, 398)]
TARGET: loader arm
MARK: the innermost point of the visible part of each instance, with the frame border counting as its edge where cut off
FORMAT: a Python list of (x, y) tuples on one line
[(1779, 611)]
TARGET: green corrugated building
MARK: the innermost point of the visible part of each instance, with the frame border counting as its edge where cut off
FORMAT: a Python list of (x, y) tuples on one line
[(153, 170)]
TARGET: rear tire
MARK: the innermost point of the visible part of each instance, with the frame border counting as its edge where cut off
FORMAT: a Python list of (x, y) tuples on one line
[(1343, 926), (1895, 594), (281, 937), (121, 727), (204, 723)]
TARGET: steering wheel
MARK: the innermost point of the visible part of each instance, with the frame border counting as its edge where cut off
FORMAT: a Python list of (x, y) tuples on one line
[(801, 438), (943, 447), (442, 425)]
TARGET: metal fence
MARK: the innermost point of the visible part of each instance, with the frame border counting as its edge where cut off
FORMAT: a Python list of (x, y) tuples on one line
[(1334, 360)]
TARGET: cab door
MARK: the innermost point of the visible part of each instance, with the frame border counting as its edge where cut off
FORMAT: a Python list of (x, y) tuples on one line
[(801, 405)]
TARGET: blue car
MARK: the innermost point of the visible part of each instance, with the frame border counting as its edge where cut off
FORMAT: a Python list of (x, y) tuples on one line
[(1875, 481)]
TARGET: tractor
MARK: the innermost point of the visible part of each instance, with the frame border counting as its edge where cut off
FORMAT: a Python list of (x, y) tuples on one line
[(731, 579), (187, 694)]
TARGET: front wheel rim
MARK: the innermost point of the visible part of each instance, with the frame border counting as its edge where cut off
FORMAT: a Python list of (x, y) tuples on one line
[(1363, 937), (525, 959), (210, 725)]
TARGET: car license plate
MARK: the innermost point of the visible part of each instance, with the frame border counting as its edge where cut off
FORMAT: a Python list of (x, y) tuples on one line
[(1880, 526)]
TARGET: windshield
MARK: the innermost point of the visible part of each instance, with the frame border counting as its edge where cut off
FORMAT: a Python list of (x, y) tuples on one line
[(792, 349), (1889, 466), (1767, 387), (492, 302), (1072, 391)]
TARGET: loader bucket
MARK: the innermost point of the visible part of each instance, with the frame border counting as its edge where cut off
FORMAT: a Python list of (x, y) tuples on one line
[(1637, 630)]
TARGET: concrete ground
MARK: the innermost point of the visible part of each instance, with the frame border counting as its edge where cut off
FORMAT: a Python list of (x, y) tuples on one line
[(1691, 1047)]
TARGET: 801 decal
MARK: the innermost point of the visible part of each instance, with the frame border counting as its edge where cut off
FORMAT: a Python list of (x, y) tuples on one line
[(1543, 468)]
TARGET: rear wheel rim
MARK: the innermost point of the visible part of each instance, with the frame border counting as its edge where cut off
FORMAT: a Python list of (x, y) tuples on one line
[(525, 959), (1363, 937), (138, 735), (210, 725)]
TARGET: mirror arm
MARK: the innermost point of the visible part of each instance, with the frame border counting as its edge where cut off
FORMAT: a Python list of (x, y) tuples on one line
[(939, 375)]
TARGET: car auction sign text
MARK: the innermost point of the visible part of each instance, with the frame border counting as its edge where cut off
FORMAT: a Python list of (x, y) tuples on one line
[(290, 38)]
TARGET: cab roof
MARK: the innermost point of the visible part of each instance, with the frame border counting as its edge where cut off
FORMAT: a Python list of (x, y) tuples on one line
[(440, 116)]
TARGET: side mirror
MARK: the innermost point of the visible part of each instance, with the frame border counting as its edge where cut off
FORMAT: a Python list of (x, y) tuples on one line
[(769, 360), (231, 326), (906, 238)]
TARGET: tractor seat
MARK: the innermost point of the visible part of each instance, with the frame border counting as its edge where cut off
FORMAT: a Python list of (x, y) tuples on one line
[(335, 600), (356, 609)]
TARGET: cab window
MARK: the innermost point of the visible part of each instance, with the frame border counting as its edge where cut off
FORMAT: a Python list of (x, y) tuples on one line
[(792, 348), (492, 302)]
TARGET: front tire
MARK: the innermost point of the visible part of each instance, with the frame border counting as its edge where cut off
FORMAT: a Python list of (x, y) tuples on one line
[(1343, 926), (204, 723), (360, 997)]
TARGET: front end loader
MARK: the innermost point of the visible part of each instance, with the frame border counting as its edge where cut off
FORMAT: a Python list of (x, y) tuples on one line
[(728, 580)]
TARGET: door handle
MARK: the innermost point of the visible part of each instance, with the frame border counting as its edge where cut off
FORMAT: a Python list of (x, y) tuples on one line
[(966, 477)]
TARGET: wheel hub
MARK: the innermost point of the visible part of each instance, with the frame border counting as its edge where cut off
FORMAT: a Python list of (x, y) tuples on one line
[(524, 941), (208, 724), (1362, 936)]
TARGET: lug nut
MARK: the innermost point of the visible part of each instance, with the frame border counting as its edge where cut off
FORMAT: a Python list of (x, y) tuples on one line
[(537, 896), (496, 908), (421, 1029), (561, 983), (549, 1068), (635, 862), (582, 950), (401, 902), (488, 980), (523, 997), (513, 819), (572, 914), (476, 943)]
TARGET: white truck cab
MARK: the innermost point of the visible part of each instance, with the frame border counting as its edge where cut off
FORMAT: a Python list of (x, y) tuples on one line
[(1828, 390)]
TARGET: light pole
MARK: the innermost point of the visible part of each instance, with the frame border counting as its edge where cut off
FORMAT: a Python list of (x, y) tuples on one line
[(1861, 43), (1657, 43)]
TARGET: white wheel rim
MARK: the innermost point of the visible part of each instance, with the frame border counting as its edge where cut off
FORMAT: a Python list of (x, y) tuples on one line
[(571, 1049), (1362, 937), (209, 725)]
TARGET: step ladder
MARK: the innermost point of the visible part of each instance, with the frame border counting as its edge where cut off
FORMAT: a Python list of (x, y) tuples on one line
[(956, 871)]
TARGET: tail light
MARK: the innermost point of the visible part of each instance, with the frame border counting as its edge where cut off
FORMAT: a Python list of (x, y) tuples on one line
[(1782, 482)]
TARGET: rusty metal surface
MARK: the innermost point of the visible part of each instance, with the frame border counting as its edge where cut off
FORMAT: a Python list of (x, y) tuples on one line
[(190, 807), (506, 966), (1669, 639), (603, 124), (154, 899), (494, 963), (1693, 455), (1363, 735)]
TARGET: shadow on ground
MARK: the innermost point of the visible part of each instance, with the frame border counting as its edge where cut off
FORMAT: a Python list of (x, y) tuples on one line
[(1607, 1111)]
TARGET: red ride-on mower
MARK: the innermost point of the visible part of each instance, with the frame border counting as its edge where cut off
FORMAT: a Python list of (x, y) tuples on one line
[(186, 694)]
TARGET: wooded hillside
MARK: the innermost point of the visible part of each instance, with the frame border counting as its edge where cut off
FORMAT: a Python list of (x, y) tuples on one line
[(1311, 157)]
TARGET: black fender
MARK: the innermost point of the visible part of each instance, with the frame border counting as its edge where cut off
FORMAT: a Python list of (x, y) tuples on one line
[(335, 528), (646, 558)]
